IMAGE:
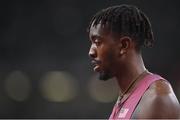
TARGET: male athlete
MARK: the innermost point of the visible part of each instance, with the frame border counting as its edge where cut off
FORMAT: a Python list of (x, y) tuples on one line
[(117, 35)]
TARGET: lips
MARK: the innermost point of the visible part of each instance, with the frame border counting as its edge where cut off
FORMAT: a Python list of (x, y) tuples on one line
[(95, 65)]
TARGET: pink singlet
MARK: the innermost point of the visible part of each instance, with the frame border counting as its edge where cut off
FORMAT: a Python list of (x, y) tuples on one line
[(126, 109)]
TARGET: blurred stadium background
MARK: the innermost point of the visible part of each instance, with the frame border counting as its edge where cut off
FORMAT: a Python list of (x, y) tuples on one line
[(44, 65)]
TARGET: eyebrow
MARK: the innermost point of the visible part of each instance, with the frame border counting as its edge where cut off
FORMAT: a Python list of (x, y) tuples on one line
[(95, 37)]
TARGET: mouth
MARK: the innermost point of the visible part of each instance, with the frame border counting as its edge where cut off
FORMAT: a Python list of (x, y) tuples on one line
[(96, 66)]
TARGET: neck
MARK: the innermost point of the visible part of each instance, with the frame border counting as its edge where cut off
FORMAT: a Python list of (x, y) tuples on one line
[(132, 69)]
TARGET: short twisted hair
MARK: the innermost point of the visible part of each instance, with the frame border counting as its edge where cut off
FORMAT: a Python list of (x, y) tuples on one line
[(126, 20)]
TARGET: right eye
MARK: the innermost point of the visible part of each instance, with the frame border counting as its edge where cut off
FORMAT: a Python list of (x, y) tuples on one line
[(97, 42)]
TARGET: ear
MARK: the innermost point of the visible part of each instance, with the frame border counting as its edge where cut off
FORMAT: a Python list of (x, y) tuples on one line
[(125, 43)]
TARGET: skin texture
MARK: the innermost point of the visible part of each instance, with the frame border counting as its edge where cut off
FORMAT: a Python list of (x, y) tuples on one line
[(117, 57), (102, 50), (160, 102)]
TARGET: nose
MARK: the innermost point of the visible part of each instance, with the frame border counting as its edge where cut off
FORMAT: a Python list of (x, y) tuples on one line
[(92, 52)]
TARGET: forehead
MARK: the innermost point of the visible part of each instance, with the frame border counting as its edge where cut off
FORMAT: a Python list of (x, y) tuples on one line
[(98, 30)]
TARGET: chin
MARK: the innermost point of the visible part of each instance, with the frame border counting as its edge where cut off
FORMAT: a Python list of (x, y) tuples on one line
[(105, 76)]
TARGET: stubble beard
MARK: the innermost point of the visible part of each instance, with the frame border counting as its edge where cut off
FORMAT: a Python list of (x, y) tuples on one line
[(105, 76)]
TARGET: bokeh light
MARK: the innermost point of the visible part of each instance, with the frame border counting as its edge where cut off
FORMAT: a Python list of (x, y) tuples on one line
[(58, 86), (17, 86), (103, 91)]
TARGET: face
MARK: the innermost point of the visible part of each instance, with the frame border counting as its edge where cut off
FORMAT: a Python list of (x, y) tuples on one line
[(103, 51)]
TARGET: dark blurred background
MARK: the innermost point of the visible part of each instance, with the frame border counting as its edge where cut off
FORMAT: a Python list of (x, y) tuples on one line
[(44, 64)]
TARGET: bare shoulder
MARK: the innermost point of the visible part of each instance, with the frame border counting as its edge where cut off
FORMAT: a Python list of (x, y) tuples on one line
[(159, 101)]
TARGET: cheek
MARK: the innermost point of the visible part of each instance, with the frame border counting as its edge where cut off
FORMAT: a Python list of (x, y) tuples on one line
[(107, 56), (103, 53), (111, 57)]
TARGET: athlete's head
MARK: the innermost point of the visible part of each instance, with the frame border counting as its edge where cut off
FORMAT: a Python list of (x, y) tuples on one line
[(114, 32)]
